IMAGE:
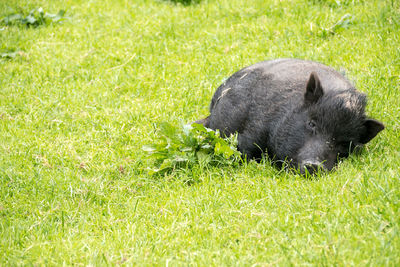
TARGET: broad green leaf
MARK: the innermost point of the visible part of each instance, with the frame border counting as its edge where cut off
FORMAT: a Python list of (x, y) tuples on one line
[(223, 149), (203, 158), (30, 19), (199, 127), (187, 149), (167, 164), (149, 148), (168, 130), (187, 128)]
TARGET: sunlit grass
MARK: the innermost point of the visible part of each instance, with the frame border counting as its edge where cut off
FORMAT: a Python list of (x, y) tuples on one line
[(78, 101)]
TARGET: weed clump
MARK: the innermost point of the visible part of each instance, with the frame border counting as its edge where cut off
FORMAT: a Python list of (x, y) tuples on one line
[(189, 146), (185, 2), (35, 18)]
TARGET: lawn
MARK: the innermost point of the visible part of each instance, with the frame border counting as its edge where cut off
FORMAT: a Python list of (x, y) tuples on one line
[(80, 97)]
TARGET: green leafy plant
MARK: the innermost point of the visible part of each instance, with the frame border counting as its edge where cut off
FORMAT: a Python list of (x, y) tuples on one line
[(10, 54), (188, 146), (185, 2), (35, 18)]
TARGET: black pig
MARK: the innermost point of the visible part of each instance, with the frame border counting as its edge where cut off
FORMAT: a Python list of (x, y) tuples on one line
[(301, 112)]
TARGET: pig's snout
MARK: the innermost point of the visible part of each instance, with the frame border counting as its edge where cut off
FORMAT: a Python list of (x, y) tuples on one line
[(315, 156), (311, 166)]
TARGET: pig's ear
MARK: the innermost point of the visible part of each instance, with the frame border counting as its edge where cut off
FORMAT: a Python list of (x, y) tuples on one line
[(314, 90), (372, 128)]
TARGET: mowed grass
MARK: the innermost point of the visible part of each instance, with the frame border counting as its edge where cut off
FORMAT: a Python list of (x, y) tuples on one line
[(81, 98)]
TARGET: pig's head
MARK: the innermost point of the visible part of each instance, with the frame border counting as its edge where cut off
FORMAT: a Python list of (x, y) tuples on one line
[(329, 125)]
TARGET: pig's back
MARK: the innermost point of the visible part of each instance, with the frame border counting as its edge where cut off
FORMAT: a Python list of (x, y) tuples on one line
[(298, 71), (268, 88)]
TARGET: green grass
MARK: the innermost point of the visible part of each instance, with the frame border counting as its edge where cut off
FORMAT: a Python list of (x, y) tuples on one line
[(80, 99)]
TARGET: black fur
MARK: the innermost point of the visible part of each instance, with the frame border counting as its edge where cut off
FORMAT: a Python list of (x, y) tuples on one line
[(300, 111)]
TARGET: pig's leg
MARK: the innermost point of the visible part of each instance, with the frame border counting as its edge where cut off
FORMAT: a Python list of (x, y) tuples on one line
[(247, 145)]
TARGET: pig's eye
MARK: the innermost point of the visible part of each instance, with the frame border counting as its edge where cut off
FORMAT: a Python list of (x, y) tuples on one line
[(311, 125)]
